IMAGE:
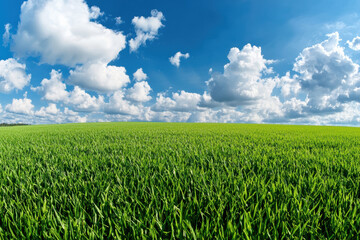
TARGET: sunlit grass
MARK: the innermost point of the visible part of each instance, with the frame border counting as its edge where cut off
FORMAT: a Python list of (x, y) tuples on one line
[(161, 181)]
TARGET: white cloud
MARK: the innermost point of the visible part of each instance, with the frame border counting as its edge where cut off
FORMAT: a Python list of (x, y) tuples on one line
[(53, 89), (175, 60), (51, 109), (77, 119), (6, 35), (225, 115), (263, 110), (118, 105), (61, 32), (99, 77), (95, 12), (323, 88), (349, 116), (324, 71), (295, 108), (70, 116), (45, 115), (70, 112), (168, 116), (84, 102), (118, 21), (208, 102), (180, 102), (354, 44), (325, 65), (21, 106), (139, 75), (241, 85), (242, 82), (324, 75), (13, 75), (289, 85), (146, 29), (139, 92)]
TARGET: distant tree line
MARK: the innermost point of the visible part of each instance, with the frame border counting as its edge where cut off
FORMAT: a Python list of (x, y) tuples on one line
[(12, 124)]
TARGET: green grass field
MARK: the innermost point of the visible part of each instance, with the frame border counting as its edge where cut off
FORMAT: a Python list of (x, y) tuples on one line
[(179, 181)]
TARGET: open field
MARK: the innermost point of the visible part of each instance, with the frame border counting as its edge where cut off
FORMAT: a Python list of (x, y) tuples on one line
[(172, 180)]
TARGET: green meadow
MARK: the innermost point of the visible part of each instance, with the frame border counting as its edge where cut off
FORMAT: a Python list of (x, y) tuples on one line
[(179, 181)]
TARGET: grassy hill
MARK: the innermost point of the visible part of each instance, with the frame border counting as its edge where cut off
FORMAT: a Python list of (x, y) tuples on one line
[(174, 180)]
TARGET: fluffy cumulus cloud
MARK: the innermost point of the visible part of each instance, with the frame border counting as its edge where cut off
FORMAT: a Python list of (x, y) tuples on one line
[(18, 112), (323, 86), (139, 92), (175, 60), (77, 119), (325, 71), (139, 75), (71, 116), (354, 44), (119, 105), (51, 109), (53, 89), (180, 102), (99, 77), (6, 35), (21, 106), (325, 65), (168, 116), (61, 32), (146, 29), (13, 75), (65, 32), (242, 82), (84, 102), (295, 108), (288, 85), (225, 115)]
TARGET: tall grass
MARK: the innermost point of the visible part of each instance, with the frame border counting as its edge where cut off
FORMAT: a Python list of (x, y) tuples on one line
[(179, 181)]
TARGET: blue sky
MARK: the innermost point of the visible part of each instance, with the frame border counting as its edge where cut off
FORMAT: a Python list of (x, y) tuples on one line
[(271, 61)]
